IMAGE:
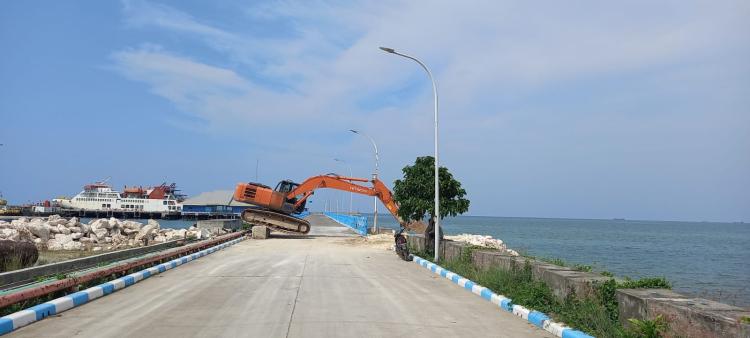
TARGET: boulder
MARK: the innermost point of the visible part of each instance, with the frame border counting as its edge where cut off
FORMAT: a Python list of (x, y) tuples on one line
[(76, 235), (73, 222), (114, 231), (146, 231), (56, 221), (85, 240), (39, 230), (130, 232), (60, 242), (160, 239), (116, 223), (52, 229), (63, 230), (100, 224), (99, 234), (9, 234), (176, 234), (132, 225), (96, 248), (4, 224)]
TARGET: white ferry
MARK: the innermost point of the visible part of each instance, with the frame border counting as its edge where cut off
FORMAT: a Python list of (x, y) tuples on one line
[(100, 197)]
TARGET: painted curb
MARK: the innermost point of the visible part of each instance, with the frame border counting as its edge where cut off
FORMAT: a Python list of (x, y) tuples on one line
[(536, 318), (35, 313)]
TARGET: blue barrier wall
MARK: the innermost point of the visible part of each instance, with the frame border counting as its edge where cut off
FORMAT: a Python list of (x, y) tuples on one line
[(357, 223)]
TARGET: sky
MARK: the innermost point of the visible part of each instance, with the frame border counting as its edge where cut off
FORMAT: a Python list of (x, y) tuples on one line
[(577, 109)]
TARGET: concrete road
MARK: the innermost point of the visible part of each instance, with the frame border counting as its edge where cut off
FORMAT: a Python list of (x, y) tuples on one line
[(289, 287), (324, 226)]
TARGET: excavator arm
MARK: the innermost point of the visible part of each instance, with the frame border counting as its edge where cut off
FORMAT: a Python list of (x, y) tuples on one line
[(330, 181)]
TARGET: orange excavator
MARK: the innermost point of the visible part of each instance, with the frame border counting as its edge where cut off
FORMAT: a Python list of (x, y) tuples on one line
[(275, 207)]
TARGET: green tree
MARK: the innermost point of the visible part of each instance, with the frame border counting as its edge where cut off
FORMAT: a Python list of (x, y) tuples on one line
[(415, 195)]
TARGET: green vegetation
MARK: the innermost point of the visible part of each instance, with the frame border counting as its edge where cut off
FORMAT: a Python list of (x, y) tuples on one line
[(645, 283), (597, 314), (561, 262), (745, 319), (415, 194), (648, 328)]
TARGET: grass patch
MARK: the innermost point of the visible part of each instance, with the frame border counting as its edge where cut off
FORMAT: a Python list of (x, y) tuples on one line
[(645, 283), (561, 262), (596, 315)]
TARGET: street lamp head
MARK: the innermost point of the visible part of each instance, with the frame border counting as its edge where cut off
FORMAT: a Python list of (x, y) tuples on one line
[(388, 50)]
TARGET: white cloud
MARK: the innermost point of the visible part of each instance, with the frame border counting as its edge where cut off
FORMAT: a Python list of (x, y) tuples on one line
[(501, 68)]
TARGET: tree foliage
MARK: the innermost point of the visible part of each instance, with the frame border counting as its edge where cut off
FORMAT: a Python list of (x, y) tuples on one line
[(415, 193)]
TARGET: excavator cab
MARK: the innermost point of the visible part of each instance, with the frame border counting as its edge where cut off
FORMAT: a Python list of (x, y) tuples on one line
[(287, 186)]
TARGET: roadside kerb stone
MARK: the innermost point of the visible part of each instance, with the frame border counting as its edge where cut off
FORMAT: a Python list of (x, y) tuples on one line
[(536, 318)]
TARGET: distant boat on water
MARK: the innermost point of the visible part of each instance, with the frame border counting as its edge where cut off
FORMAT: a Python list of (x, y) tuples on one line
[(99, 196)]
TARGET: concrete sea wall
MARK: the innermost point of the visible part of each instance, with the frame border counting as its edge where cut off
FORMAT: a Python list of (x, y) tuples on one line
[(687, 316)]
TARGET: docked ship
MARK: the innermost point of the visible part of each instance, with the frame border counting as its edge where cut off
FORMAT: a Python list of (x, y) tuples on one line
[(100, 196)]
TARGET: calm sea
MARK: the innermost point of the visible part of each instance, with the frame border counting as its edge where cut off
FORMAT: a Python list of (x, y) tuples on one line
[(706, 259)]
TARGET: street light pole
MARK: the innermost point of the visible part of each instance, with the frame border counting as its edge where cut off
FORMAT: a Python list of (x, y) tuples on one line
[(350, 175), (437, 178), (374, 177)]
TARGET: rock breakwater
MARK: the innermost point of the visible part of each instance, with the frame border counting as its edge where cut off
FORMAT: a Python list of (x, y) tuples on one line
[(484, 241), (57, 233)]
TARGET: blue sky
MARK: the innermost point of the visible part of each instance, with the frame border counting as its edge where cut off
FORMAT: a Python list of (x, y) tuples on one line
[(580, 109)]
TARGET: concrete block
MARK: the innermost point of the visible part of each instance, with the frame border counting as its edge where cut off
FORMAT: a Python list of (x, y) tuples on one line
[(261, 232), (687, 316), (564, 281), (497, 259), (450, 250)]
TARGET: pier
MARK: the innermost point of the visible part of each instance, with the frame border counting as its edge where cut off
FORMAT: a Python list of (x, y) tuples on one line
[(327, 284)]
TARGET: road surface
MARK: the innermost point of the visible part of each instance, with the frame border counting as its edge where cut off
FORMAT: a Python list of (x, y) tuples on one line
[(289, 287)]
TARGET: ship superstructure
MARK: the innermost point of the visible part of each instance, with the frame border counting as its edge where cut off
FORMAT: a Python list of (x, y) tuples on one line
[(99, 196)]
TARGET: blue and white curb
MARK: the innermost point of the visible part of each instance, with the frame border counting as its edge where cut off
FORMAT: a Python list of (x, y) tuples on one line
[(534, 317), (35, 313)]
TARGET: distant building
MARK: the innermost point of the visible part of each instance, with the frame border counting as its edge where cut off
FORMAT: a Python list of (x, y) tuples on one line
[(213, 203)]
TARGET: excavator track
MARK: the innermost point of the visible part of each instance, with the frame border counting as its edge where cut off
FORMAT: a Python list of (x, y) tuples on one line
[(276, 221)]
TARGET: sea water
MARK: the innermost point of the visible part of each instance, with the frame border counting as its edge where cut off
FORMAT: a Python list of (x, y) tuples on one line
[(706, 259)]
